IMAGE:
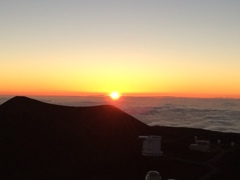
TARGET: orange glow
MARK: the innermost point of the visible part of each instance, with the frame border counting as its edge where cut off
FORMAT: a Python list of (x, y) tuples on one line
[(50, 58), (114, 95)]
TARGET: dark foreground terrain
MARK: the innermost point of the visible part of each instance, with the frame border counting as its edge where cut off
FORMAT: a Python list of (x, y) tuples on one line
[(45, 141)]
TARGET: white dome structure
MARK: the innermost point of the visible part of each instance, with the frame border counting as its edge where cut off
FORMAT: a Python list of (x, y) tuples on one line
[(153, 175)]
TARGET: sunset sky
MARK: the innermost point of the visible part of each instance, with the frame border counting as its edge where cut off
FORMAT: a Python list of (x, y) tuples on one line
[(152, 47)]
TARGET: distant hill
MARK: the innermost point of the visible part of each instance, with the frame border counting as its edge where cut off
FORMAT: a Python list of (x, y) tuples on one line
[(45, 141)]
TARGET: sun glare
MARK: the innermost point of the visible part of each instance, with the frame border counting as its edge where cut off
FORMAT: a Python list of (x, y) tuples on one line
[(115, 95)]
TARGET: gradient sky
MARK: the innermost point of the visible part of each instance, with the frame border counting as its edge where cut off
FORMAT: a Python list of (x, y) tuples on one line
[(163, 47)]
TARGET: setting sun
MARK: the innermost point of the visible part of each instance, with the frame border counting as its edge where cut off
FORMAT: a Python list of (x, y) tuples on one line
[(115, 95)]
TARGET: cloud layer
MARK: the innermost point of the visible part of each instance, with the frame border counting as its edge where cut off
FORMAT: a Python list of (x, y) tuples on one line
[(213, 114)]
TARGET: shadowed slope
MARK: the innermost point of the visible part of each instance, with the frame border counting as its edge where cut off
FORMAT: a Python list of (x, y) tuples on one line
[(102, 117), (45, 140)]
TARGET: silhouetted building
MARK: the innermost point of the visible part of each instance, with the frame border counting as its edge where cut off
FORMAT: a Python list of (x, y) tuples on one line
[(200, 145), (151, 145)]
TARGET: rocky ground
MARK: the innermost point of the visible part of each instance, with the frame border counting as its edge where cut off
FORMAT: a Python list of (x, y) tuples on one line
[(45, 141)]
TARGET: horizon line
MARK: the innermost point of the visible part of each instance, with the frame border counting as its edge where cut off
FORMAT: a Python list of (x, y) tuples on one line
[(101, 94)]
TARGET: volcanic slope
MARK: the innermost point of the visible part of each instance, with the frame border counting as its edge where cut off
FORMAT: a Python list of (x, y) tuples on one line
[(45, 141), (40, 140)]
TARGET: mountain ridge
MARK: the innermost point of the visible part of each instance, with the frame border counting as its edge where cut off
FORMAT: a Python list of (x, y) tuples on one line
[(46, 141), (45, 135)]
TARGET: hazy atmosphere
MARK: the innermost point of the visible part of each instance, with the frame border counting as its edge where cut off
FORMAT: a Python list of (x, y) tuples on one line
[(177, 48), (213, 114)]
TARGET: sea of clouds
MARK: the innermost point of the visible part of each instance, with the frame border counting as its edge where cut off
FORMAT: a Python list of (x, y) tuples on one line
[(218, 114)]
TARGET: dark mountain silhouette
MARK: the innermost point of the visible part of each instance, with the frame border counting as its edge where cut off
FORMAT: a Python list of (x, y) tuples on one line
[(45, 141)]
